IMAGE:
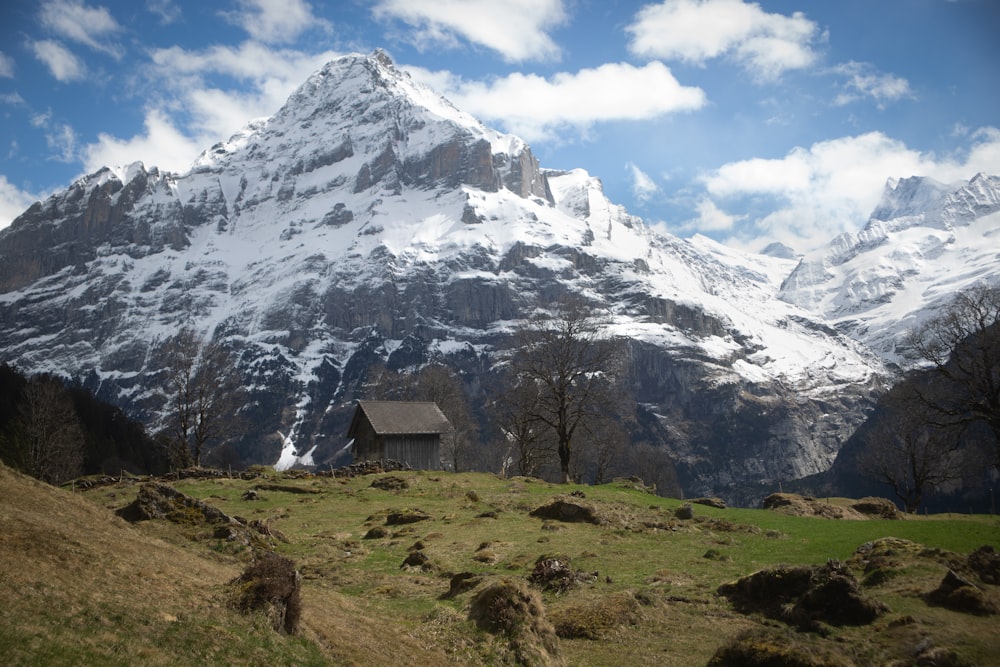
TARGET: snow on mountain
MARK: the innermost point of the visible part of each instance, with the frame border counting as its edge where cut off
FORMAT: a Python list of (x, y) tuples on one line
[(925, 242), (371, 221)]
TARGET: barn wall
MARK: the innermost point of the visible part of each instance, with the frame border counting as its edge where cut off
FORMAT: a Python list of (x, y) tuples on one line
[(422, 452)]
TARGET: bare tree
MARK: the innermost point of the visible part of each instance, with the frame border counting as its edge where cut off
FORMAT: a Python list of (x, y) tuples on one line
[(654, 466), (53, 438), (204, 395), (906, 452), (962, 347), (604, 442), (526, 441), (573, 366)]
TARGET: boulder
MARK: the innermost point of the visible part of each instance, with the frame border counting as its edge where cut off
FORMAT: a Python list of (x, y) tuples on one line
[(160, 501)]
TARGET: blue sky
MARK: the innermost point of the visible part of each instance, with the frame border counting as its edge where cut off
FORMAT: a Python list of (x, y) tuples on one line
[(745, 121)]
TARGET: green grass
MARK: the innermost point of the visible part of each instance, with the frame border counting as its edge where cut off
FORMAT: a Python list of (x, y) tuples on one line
[(653, 600)]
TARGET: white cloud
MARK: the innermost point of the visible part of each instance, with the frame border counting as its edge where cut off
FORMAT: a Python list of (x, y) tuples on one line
[(643, 187), (698, 30), (72, 19), (832, 186), (161, 145), (186, 114), (536, 108), (13, 201), (516, 29), (6, 66), (275, 21), (61, 62), (265, 78), (61, 138), (168, 11), (864, 81), (711, 218), (13, 99)]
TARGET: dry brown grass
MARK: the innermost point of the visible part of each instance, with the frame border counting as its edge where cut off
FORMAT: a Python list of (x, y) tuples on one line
[(78, 586)]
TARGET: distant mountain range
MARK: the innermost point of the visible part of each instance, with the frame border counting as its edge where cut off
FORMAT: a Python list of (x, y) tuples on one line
[(370, 221)]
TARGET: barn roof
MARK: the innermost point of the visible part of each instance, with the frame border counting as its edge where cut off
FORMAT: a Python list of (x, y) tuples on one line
[(399, 417)]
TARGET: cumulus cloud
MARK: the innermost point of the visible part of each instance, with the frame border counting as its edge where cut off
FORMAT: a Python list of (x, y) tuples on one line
[(696, 31), (831, 187), (186, 113), (711, 218), (161, 144), (536, 108), (516, 29), (91, 26), (643, 187), (63, 65), (863, 81), (264, 77), (13, 201), (275, 21)]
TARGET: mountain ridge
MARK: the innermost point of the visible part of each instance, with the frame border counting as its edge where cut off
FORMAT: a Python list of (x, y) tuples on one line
[(369, 221)]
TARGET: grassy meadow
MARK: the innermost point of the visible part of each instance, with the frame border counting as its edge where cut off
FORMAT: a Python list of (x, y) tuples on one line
[(81, 586)]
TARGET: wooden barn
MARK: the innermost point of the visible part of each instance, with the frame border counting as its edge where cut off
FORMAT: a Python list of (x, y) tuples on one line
[(405, 431)]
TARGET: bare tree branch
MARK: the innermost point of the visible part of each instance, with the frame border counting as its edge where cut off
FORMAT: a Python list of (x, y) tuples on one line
[(962, 348), (573, 366)]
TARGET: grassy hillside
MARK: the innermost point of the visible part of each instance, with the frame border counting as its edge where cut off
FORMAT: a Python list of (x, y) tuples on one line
[(82, 586)]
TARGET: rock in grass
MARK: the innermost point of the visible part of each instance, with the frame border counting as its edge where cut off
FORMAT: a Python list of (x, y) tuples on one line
[(805, 596), (569, 511), (160, 501), (405, 516)]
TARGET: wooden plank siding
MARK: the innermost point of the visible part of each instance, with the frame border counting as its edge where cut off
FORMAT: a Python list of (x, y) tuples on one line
[(422, 452)]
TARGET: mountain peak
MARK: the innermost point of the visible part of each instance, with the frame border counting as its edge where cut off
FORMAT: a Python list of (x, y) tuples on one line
[(909, 196), (925, 241)]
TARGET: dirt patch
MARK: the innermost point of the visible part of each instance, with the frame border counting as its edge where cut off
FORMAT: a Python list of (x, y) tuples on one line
[(796, 505)]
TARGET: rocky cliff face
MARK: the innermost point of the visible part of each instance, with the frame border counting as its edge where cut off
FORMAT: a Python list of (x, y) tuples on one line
[(370, 221)]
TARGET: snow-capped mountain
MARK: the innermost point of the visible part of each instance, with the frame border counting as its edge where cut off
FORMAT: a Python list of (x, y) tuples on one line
[(370, 220), (925, 242)]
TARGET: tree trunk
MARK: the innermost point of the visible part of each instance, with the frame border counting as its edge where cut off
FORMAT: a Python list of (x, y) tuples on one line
[(564, 462)]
